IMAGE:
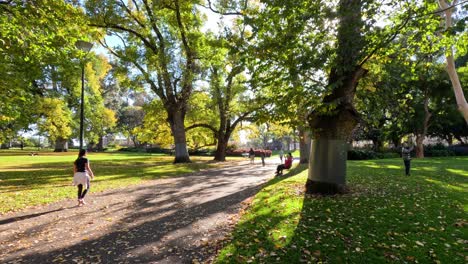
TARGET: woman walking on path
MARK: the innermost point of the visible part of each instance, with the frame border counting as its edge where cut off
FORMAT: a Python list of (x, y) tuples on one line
[(81, 177)]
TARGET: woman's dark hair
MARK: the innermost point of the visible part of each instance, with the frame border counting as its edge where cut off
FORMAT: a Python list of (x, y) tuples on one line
[(82, 152)]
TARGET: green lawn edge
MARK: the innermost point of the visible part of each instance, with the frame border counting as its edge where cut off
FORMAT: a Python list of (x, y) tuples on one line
[(27, 181), (386, 218)]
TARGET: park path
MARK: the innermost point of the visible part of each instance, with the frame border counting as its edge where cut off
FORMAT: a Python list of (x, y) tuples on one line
[(177, 220)]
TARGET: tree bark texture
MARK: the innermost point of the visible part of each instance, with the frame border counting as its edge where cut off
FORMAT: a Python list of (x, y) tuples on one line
[(100, 145), (176, 120), (61, 145), (220, 154), (421, 135), (304, 146), (332, 127)]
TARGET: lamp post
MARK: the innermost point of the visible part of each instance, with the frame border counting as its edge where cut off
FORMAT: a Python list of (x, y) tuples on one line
[(86, 47)]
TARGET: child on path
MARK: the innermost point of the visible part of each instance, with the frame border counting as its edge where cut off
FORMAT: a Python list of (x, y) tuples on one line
[(81, 176), (281, 153)]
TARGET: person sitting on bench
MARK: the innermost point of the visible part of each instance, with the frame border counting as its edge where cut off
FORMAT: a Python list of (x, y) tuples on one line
[(287, 164)]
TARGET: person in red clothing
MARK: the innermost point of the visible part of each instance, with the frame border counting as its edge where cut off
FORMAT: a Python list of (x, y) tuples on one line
[(287, 164)]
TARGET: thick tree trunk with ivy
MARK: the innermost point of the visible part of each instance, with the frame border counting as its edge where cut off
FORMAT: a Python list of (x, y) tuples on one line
[(333, 123), (61, 145)]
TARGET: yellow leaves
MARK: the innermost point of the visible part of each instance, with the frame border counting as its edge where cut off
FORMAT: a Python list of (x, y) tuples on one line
[(5, 118), (56, 118)]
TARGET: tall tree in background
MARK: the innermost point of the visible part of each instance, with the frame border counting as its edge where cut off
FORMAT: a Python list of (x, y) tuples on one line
[(329, 44), (162, 40), (227, 89), (448, 10), (35, 36)]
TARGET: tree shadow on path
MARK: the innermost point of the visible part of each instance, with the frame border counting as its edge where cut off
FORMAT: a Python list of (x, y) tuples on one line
[(166, 221)]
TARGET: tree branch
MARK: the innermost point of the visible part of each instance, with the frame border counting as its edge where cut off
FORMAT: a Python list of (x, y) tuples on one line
[(210, 127), (128, 30), (236, 13), (129, 12)]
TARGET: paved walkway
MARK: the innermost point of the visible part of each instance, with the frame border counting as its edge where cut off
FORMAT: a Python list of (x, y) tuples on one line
[(162, 221)]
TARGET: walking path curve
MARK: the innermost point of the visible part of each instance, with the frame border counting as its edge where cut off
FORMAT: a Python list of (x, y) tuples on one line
[(162, 221)]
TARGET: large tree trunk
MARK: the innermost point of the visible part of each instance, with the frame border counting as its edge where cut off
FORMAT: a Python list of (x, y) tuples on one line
[(419, 146), (377, 144), (220, 154), (451, 70), (449, 139), (61, 145), (176, 120), (304, 146), (332, 127), (327, 167), (100, 145), (425, 125)]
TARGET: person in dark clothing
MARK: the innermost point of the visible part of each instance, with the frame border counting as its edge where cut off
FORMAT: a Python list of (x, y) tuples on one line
[(251, 155), (82, 174), (287, 164), (262, 156), (406, 155)]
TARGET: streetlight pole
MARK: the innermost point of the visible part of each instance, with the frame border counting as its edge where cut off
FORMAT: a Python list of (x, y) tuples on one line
[(86, 47)]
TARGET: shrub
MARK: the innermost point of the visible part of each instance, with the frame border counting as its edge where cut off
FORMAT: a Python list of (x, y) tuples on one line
[(459, 150), (156, 150), (437, 150), (362, 154), (239, 152), (131, 149), (201, 152), (366, 154), (390, 155)]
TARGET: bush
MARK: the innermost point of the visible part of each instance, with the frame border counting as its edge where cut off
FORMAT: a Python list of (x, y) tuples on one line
[(239, 152), (459, 150), (362, 154), (438, 150), (366, 154), (201, 152), (156, 150), (390, 155), (131, 149)]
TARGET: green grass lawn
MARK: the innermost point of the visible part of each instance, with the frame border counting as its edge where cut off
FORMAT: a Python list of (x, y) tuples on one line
[(33, 180), (386, 218)]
